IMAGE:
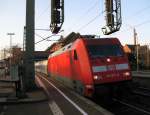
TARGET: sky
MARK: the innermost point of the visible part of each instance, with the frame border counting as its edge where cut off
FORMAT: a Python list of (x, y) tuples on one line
[(78, 14)]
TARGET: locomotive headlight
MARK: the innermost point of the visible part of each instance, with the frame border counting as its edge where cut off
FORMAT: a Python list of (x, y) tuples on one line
[(126, 73), (108, 59), (95, 77), (89, 86)]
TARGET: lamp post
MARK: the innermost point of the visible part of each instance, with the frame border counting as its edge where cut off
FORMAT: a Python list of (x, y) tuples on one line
[(10, 34), (136, 48), (148, 56), (137, 55)]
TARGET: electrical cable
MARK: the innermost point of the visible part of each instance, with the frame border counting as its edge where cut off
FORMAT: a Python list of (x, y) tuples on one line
[(43, 12), (139, 12), (43, 29), (85, 13), (137, 25), (90, 21), (143, 23), (39, 36), (43, 39)]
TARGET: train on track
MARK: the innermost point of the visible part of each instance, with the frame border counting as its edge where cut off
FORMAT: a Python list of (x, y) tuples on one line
[(87, 64)]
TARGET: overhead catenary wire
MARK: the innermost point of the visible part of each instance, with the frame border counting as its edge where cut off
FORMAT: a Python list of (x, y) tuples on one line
[(92, 20), (139, 12), (43, 39), (135, 14), (137, 25), (43, 12), (143, 23), (43, 29), (85, 13), (39, 36), (37, 19), (88, 10), (144, 9)]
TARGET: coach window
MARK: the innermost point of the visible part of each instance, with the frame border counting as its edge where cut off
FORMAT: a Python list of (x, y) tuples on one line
[(75, 55)]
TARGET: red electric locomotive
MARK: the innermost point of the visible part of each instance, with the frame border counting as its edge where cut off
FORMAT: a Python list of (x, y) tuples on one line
[(87, 64)]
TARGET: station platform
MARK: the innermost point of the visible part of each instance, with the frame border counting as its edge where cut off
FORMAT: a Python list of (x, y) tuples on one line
[(142, 78), (8, 94), (145, 74), (35, 102), (64, 101), (58, 100)]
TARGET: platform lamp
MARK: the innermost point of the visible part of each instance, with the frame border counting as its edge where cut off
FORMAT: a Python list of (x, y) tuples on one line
[(10, 34)]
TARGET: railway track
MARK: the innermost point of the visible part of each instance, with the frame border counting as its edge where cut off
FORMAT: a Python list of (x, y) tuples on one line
[(130, 108), (123, 106), (145, 92), (133, 103), (138, 100), (144, 88)]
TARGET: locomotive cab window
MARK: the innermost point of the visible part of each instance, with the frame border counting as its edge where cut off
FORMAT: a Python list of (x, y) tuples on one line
[(75, 55), (105, 50)]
